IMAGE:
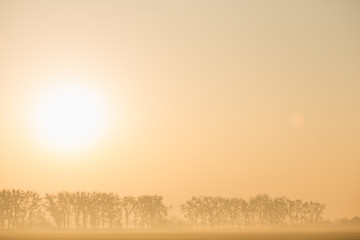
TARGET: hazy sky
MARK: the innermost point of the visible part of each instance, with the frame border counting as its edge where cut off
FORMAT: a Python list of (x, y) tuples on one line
[(230, 98)]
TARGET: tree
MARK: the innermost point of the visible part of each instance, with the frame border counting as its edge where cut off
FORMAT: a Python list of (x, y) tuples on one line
[(151, 211), (112, 208), (128, 205), (191, 210)]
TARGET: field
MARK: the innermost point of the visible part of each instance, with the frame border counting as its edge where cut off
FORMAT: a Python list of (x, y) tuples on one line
[(184, 235)]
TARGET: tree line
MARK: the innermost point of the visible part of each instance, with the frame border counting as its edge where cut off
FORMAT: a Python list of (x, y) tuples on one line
[(79, 210), (259, 211), (99, 210)]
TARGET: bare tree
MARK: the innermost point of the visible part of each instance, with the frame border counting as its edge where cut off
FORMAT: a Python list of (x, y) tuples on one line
[(100, 210), (151, 211), (128, 205)]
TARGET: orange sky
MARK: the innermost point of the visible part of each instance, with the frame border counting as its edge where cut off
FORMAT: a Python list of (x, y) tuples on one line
[(228, 98)]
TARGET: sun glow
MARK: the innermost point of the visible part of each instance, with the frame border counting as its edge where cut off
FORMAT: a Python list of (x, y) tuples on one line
[(70, 117)]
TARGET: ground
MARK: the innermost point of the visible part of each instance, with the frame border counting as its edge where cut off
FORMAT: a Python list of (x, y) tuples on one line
[(185, 235)]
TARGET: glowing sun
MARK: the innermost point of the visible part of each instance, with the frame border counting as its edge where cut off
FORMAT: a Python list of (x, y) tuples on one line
[(70, 117)]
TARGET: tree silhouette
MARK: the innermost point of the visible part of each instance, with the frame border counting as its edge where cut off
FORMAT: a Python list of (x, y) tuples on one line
[(191, 210), (150, 210), (260, 210), (99, 210), (128, 205)]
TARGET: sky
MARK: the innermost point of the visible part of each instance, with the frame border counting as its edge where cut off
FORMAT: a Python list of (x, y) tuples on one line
[(229, 98)]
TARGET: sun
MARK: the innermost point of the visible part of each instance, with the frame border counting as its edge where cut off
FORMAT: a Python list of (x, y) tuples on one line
[(70, 117)]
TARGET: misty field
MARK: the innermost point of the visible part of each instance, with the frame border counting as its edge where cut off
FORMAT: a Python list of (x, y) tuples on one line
[(185, 235)]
